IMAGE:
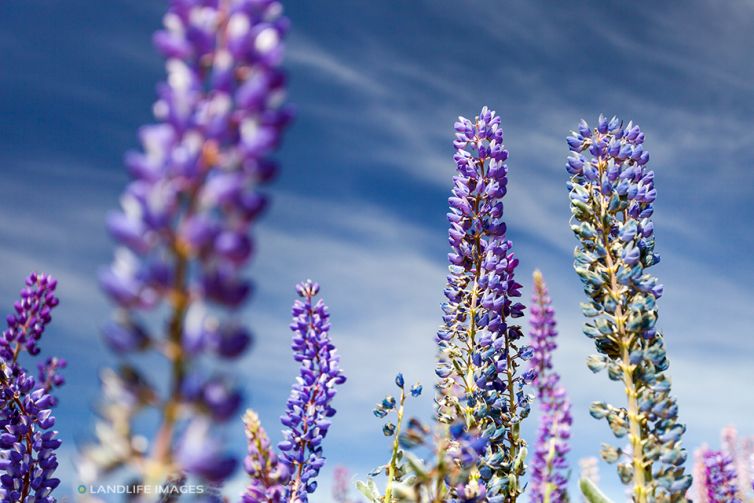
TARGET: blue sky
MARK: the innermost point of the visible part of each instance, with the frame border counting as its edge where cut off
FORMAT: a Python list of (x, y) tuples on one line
[(360, 204)]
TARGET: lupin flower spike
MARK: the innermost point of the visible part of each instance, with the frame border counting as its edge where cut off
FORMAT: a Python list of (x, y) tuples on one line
[(309, 409), (699, 489), (453, 471), (549, 474), (612, 201), (479, 346), (720, 478), (729, 467), (341, 485), (750, 469), (395, 469), (27, 441), (32, 314), (450, 474), (741, 460), (184, 232), (268, 475), (747, 474)]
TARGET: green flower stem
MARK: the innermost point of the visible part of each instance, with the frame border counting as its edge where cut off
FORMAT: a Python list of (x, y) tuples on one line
[(549, 487), (468, 372), (514, 432), (642, 467), (393, 466), (162, 461)]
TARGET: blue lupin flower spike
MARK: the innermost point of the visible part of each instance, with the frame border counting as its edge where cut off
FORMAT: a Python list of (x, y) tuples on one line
[(612, 197)]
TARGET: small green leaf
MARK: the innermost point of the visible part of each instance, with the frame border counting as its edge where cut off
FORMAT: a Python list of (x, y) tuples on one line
[(518, 463), (369, 490), (591, 492), (417, 467)]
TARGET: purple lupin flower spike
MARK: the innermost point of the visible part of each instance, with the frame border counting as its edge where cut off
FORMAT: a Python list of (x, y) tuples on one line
[(32, 314), (308, 411), (738, 453), (28, 442), (479, 344), (550, 469), (268, 475), (720, 478), (185, 233)]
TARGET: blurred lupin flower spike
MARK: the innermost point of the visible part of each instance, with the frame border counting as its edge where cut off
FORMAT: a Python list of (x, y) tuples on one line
[(309, 410), (717, 471), (550, 470), (737, 451), (267, 474), (28, 444), (698, 491), (750, 469), (479, 346), (747, 476), (612, 201), (720, 478), (341, 485), (184, 233)]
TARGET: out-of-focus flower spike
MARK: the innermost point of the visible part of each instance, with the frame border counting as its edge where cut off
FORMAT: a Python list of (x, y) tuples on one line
[(720, 478), (184, 226), (746, 475), (268, 475), (341, 485), (550, 470), (699, 489)]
